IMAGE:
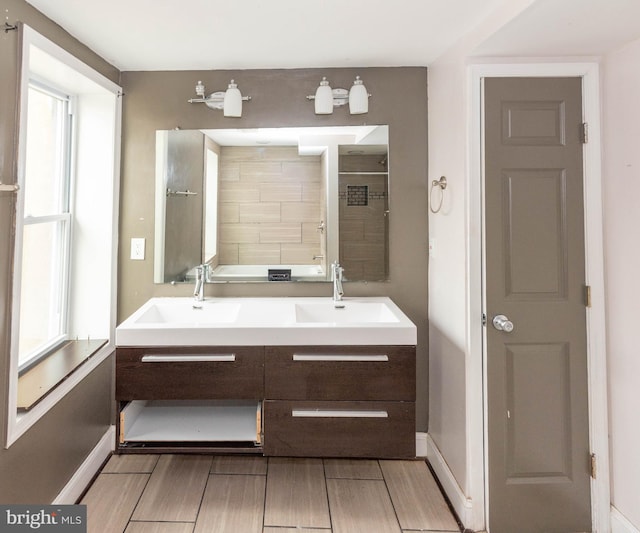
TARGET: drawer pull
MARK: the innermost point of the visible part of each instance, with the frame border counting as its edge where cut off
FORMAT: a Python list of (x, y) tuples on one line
[(341, 357), (186, 358), (337, 413)]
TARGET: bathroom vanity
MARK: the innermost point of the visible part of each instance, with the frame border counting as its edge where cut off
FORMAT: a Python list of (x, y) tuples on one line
[(272, 376)]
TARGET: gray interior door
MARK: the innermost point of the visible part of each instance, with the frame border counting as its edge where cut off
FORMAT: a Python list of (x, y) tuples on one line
[(538, 432)]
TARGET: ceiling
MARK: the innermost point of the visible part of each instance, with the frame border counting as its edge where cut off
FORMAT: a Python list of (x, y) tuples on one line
[(566, 28), (250, 34)]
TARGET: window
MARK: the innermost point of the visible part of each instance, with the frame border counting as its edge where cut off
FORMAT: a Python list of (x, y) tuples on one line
[(64, 262), (46, 238)]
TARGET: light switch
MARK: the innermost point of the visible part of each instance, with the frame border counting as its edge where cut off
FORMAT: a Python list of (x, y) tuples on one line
[(137, 248)]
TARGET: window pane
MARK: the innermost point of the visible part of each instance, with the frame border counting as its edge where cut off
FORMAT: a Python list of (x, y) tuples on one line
[(46, 154), (41, 298)]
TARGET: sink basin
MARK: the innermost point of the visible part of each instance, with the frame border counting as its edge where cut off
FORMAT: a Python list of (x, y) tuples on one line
[(351, 313), (189, 312), (266, 322)]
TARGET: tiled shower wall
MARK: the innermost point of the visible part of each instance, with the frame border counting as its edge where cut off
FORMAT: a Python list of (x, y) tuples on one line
[(270, 206), (363, 205)]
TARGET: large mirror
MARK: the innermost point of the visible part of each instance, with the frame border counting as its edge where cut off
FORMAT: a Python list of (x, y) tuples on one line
[(272, 204)]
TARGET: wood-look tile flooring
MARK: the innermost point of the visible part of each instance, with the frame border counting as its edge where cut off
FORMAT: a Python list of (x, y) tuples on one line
[(244, 494)]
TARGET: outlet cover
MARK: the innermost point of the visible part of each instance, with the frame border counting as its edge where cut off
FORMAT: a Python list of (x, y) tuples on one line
[(137, 248)]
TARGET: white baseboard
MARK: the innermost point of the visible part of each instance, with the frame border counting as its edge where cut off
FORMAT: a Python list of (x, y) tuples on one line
[(462, 505), (620, 524), (88, 469), (421, 444)]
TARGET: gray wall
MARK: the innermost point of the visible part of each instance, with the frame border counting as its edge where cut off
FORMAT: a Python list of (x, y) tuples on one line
[(42, 461), (158, 100)]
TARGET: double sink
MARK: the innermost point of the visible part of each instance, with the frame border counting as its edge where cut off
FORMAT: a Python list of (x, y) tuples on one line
[(266, 321)]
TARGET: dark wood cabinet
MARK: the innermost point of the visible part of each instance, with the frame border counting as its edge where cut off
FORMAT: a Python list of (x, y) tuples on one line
[(340, 373), (340, 401), (339, 429), (190, 373), (315, 401)]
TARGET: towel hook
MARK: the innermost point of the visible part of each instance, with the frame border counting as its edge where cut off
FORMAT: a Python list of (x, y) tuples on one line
[(442, 183)]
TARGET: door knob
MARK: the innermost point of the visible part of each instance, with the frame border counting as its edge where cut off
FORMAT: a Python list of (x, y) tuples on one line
[(502, 323)]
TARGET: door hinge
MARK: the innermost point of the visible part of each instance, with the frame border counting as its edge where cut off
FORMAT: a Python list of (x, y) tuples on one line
[(584, 133), (484, 319), (593, 466), (587, 295)]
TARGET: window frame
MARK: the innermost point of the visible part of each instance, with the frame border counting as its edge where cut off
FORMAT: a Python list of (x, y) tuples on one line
[(63, 215), (94, 227)]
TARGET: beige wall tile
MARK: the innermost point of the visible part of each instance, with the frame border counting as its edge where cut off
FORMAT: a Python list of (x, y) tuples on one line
[(311, 192), (260, 212), (228, 254), (229, 171), (260, 170), (280, 233), (280, 153), (280, 192), (269, 180), (299, 254), (300, 212), (259, 254), (302, 171), (228, 213), (239, 233), (238, 192), (260, 153), (310, 233)]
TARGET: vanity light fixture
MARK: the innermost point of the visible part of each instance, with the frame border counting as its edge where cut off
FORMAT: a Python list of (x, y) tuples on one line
[(327, 98), (230, 101)]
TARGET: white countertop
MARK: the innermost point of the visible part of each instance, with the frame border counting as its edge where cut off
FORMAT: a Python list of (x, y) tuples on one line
[(266, 322)]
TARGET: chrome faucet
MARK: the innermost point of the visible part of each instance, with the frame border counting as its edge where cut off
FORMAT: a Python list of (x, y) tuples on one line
[(336, 276), (201, 280)]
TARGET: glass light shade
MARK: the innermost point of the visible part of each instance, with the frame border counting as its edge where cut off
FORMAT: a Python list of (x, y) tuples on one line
[(324, 98), (358, 98), (232, 101)]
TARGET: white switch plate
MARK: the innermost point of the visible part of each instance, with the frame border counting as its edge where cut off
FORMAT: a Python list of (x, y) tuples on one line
[(137, 248)]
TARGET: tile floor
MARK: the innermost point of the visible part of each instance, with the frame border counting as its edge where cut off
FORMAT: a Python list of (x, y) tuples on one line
[(244, 494)]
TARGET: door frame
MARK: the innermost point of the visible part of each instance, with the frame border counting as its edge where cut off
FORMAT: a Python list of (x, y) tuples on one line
[(476, 371)]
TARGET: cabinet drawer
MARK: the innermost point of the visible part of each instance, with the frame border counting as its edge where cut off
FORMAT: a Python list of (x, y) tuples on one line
[(339, 429), (191, 421), (340, 373), (191, 373)]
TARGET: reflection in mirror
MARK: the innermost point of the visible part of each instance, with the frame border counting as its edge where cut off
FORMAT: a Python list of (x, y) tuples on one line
[(291, 200)]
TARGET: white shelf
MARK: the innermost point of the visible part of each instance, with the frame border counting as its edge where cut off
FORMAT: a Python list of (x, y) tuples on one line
[(363, 173), (191, 421)]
